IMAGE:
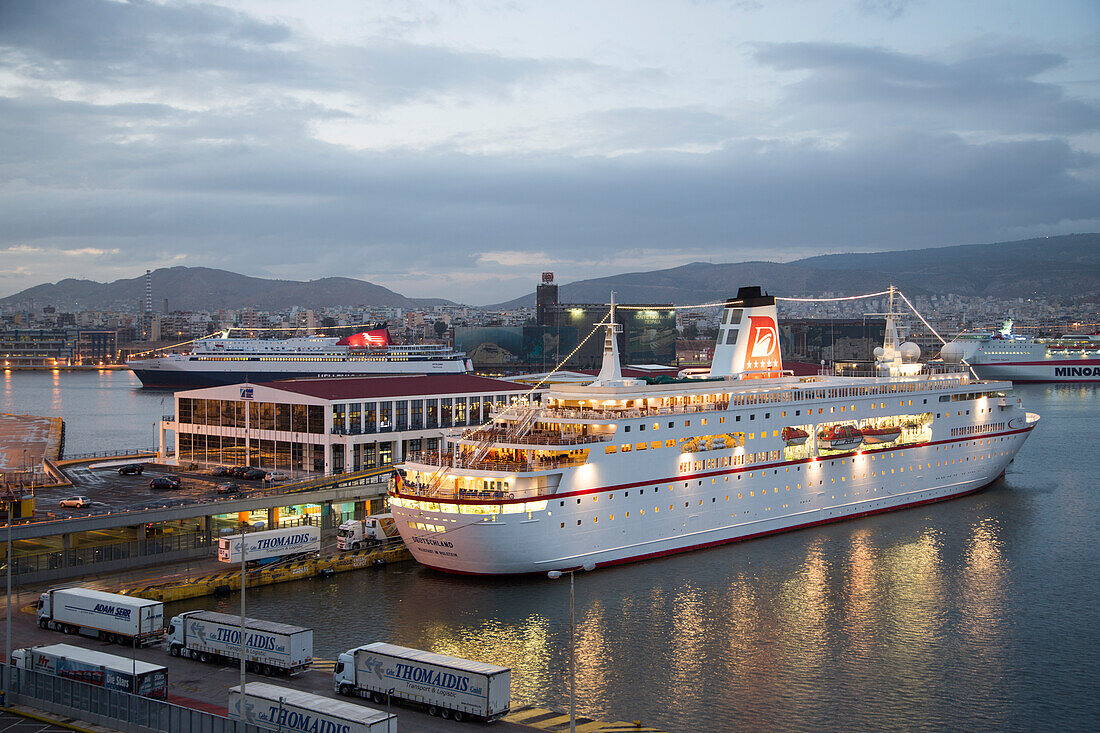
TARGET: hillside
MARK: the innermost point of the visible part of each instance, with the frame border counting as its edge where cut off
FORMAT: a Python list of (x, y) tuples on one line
[(1046, 267), (203, 288)]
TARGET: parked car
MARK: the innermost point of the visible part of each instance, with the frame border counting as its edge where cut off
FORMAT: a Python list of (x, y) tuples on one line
[(254, 474), (238, 471), (76, 502), (276, 477), (220, 471), (131, 469), (228, 487), (165, 482)]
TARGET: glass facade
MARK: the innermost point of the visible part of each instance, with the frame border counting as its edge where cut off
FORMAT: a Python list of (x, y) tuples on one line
[(256, 415), (277, 450)]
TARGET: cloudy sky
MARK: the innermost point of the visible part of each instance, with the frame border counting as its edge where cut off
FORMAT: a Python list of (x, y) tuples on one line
[(457, 149)]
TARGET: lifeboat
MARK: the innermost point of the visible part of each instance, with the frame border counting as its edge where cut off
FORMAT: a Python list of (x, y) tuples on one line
[(839, 437), (885, 434), (795, 436)]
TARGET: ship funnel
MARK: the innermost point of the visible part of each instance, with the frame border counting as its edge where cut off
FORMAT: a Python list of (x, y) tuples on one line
[(748, 338)]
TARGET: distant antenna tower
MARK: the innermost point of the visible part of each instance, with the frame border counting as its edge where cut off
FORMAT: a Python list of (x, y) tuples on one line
[(148, 291)]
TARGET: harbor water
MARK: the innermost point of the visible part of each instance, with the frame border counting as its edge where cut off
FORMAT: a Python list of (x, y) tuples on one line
[(979, 613)]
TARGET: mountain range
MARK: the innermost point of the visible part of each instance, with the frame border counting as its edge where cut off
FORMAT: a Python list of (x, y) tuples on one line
[(1051, 266), (207, 289), (1048, 267)]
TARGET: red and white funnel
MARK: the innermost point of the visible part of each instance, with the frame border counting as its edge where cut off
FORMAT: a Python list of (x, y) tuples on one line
[(748, 338)]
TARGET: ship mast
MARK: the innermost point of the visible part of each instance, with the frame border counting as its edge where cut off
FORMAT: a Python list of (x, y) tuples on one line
[(611, 369)]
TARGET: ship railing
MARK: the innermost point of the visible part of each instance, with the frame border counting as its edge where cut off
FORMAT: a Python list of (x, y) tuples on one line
[(536, 437), (612, 414), (422, 490), (931, 381), (466, 461)]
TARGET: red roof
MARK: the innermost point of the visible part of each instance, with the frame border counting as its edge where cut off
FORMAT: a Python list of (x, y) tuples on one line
[(352, 388)]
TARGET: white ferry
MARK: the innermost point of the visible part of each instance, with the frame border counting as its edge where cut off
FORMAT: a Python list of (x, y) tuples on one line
[(220, 359), (1004, 355), (622, 470)]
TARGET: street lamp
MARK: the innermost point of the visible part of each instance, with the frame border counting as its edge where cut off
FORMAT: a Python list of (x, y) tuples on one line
[(554, 575)]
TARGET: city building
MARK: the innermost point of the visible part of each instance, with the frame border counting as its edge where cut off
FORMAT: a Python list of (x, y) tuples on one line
[(648, 337), (328, 425)]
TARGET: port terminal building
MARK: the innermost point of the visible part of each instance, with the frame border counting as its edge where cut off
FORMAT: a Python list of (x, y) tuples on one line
[(327, 426)]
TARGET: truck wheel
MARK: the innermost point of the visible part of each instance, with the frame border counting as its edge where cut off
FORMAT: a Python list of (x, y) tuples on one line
[(445, 714), (345, 689), (174, 650), (204, 657), (103, 636), (459, 716), (43, 623), (433, 710), (356, 545), (377, 697)]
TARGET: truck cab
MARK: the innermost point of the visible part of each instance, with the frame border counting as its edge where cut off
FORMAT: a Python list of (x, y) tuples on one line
[(173, 640), (343, 674), (358, 534), (42, 610)]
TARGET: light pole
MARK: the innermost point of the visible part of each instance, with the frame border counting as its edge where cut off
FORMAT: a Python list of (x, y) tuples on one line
[(554, 575), (244, 542), (7, 636)]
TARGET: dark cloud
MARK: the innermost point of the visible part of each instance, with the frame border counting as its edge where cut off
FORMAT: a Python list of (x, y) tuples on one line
[(201, 48), (321, 209), (857, 86)]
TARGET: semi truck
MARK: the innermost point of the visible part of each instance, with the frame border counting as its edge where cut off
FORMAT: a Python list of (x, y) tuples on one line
[(270, 648), (107, 616), (446, 686), (95, 668), (359, 534), (284, 709), (271, 546)]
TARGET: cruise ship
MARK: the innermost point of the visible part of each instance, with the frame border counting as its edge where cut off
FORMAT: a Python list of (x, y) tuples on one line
[(1004, 355), (220, 360), (623, 470)]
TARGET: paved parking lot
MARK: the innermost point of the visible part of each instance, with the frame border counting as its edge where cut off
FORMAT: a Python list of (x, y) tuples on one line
[(111, 492)]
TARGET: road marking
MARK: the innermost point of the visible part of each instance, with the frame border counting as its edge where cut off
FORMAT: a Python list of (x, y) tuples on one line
[(547, 719)]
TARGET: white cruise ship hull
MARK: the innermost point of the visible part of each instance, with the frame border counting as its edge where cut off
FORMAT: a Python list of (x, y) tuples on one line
[(181, 371), (1040, 370), (608, 512)]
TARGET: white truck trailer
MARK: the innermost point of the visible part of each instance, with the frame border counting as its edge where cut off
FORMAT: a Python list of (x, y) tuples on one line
[(360, 534), (284, 709), (270, 546), (95, 668), (107, 616), (270, 648), (446, 686)]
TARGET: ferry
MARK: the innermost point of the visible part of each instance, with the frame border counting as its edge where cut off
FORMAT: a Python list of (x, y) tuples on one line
[(1004, 355), (621, 470), (220, 360)]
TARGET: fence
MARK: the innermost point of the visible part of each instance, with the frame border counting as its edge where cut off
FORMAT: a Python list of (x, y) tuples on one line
[(111, 708), (112, 454), (81, 556)]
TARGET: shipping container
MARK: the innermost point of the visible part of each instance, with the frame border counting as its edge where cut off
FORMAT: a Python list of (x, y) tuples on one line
[(284, 709), (270, 546), (216, 637), (106, 616), (446, 686), (95, 668)]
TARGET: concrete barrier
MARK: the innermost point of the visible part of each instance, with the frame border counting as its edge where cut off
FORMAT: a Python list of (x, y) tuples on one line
[(230, 581)]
